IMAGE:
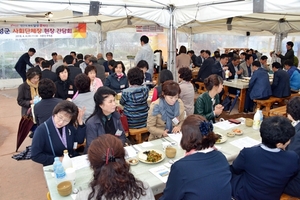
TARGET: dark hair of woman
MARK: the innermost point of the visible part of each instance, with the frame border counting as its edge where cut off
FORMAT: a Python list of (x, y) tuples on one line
[(185, 73), (82, 83), (61, 69), (46, 88), (101, 94), (116, 65), (193, 137), (211, 81), (170, 88), (90, 68), (293, 108), (112, 176), (182, 49), (68, 107), (143, 63), (32, 72), (135, 76), (165, 75)]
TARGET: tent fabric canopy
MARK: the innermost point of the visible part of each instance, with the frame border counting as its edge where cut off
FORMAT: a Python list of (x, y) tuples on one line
[(193, 16)]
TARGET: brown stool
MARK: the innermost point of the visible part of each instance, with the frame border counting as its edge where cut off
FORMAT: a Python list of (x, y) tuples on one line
[(137, 133), (202, 88), (267, 103)]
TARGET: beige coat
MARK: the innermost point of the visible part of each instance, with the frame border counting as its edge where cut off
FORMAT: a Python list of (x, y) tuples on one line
[(156, 126)]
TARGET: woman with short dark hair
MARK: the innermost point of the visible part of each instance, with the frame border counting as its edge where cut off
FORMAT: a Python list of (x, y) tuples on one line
[(134, 99), (91, 72), (28, 90), (105, 119), (112, 178), (58, 133), (84, 97), (166, 114), (203, 173), (65, 88), (208, 104), (117, 81), (164, 75), (143, 65), (187, 89)]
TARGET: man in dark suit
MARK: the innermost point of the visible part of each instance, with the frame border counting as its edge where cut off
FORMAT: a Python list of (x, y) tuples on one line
[(281, 81), (23, 61), (43, 109), (220, 67), (74, 71), (54, 58), (205, 69), (79, 60), (234, 67), (200, 58), (259, 86), (47, 73), (289, 55)]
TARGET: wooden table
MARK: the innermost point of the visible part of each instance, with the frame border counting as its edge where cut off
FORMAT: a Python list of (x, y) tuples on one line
[(239, 84), (141, 171)]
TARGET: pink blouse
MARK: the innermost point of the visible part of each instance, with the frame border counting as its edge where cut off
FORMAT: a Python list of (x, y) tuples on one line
[(96, 84)]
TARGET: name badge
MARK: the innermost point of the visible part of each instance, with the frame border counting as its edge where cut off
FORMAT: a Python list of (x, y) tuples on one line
[(122, 86), (75, 145), (118, 133), (175, 120), (70, 92)]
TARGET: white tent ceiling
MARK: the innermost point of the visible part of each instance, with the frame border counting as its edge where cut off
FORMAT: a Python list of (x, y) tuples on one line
[(193, 16)]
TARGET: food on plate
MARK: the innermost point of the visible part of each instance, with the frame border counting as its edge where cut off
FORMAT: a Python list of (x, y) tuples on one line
[(152, 156), (230, 134), (133, 161), (219, 138), (237, 131)]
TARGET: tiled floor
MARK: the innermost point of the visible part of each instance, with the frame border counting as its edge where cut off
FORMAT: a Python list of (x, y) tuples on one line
[(19, 179)]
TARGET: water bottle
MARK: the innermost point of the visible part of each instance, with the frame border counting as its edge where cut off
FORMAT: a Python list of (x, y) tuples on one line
[(235, 77), (60, 174), (261, 116), (67, 162), (56, 162), (256, 120)]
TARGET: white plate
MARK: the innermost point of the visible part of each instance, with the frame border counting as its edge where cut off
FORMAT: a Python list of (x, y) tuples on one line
[(222, 140), (237, 131), (143, 158)]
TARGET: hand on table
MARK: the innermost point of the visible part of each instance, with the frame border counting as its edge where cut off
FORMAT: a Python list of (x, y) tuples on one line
[(176, 129), (165, 134)]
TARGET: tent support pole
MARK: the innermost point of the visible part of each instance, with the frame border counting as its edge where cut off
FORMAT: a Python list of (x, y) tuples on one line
[(172, 45)]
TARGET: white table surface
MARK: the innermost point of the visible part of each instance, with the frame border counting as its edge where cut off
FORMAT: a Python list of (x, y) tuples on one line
[(141, 171)]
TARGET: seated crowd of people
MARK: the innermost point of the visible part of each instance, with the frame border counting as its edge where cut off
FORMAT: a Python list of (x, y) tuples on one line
[(73, 99)]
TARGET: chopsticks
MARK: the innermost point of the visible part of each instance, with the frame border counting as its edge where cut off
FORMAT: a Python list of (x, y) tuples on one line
[(167, 139), (135, 148)]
